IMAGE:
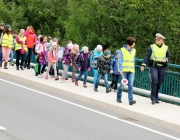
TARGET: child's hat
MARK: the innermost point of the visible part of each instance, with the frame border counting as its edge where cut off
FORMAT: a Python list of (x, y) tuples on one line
[(8, 26), (107, 52), (117, 52), (2, 24), (54, 44)]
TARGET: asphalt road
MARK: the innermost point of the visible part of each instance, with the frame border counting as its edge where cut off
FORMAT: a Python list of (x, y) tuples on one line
[(28, 115)]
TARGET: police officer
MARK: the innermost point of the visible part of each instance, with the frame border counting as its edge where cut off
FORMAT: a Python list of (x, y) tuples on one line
[(157, 56)]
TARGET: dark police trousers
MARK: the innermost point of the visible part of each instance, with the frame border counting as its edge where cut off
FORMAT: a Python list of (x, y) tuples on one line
[(157, 77)]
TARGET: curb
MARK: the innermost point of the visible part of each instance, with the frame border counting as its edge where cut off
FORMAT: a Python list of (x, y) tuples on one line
[(103, 105)]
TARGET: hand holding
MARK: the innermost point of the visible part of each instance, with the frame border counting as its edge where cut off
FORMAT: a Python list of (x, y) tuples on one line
[(142, 68)]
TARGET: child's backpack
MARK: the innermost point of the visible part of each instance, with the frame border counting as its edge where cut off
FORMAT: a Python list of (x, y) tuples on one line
[(95, 62)]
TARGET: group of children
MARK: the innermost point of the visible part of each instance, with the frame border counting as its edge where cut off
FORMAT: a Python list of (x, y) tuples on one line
[(51, 54)]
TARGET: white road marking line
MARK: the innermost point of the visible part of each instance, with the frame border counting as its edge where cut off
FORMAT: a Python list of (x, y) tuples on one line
[(2, 128), (92, 110)]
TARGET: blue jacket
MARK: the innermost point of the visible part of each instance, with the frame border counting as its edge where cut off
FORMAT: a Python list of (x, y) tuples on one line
[(115, 65)]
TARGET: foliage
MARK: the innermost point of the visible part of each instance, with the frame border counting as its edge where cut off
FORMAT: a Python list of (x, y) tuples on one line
[(106, 22)]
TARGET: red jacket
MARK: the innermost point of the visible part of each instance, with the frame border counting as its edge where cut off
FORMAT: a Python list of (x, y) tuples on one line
[(31, 38)]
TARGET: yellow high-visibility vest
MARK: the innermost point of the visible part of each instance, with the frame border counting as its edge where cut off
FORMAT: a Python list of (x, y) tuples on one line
[(7, 41), (19, 46), (128, 60), (158, 53)]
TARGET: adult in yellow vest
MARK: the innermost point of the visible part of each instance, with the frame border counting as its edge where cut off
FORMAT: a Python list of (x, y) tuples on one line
[(21, 49), (157, 56), (127, 68), (7, 44), (2, 27)]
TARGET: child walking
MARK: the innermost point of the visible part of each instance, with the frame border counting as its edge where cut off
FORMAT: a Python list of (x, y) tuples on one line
[(74, 60), (41, 52), (66, 61), (52, 59), (115, 71), (83, 66), (103, 70)]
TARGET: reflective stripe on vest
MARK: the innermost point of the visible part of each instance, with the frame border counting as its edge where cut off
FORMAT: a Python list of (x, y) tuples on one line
[(128, 60), (158, 53), (7, 41), (19, 46)]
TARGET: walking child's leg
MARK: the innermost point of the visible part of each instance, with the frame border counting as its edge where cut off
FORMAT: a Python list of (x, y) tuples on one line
[(49, 66)]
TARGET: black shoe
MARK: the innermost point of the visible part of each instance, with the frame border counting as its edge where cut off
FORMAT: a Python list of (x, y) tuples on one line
[(36, 74), (28, 67), (132, 102), (17, 68), (153, 102), (108, 90), (95, 89), (119, 101), (25, 65), (21, 68), (157, 102)]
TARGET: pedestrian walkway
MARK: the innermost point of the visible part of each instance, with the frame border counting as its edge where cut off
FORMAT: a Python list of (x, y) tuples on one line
[(164, 115)]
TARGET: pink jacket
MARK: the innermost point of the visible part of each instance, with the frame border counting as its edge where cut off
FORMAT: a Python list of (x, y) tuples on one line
[(51, 56)]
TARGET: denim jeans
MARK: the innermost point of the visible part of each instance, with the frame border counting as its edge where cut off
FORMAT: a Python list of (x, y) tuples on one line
[(29, 56), (95, 76), (85, 72), (130, 77), (105, 76), (11, 55)]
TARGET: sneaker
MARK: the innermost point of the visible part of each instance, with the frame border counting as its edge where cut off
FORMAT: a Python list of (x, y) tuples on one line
[(108, 90), (36, 74), (39, 76), (132, 102), (76, 83), (57, 78), (25, 65), (28, 67), (157, 102), (11, 63), (42, 75), (115, 90), (95, 89), (21, 68), (119, 100), (62, 80), (66, 78), (46, 77), (17, 68), (153, 102), (84, 85), (52, 76)]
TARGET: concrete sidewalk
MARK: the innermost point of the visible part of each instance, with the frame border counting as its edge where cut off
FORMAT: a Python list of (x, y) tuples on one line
[(163, 115)]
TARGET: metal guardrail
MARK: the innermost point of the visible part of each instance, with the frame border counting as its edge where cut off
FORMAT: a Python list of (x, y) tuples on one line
[(170, 85)]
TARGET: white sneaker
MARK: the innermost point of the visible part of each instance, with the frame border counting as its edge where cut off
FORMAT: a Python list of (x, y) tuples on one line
[(39, 76), (63, 81), (42, 75)]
